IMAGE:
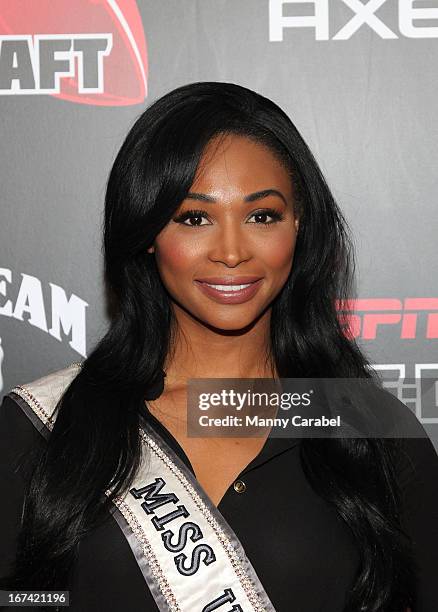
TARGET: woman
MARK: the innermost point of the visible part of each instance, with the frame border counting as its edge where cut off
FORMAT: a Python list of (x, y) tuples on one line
[(214, 185)]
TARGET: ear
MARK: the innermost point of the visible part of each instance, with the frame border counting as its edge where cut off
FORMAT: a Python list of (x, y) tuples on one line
[(151, 250), (297, 224)]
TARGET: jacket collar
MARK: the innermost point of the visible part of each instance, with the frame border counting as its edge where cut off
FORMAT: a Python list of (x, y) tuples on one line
[(272, 447)]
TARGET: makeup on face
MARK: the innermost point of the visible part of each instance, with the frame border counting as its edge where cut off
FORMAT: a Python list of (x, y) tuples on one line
[(226, 293), (228, 250)]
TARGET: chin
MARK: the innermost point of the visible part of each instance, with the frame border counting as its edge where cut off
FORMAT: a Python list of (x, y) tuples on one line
[(230, 323)]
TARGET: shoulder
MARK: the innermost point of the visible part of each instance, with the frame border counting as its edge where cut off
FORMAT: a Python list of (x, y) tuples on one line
[(36, 399), (416, 458), (47, 390), (416, 450), (42, 395), (417, 464), (382, 414), (379, 413), (24, 413)]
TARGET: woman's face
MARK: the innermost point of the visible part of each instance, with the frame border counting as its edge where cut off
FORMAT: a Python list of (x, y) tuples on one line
[(245, 230)]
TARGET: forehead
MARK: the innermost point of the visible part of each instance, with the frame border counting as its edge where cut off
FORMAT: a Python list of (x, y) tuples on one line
[(235, 159)]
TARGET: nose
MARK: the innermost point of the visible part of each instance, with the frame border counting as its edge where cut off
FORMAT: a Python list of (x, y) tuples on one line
[(229, 245)]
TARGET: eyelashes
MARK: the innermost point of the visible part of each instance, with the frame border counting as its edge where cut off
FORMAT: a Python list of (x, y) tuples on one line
[(276, 215)]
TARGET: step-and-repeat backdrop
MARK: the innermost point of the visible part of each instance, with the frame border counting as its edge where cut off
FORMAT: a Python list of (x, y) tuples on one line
[(357, 77)]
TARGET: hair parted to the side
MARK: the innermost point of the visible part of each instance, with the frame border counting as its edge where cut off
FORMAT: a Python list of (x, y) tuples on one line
[(95, 445)]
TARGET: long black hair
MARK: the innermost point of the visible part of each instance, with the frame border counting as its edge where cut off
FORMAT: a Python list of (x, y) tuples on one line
[(94, 445)]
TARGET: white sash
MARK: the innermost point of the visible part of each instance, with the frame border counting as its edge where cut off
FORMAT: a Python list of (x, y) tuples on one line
[(189, 556)]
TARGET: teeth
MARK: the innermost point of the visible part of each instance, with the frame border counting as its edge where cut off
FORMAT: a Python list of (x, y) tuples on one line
[(229, 287)]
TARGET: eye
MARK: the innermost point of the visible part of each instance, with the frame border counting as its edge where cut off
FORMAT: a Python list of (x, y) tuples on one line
[(276, 215), (187, 215), (191, 214)]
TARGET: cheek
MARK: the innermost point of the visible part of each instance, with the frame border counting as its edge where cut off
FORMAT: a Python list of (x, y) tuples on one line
[(177, 261), (278, 254), (175, 255)]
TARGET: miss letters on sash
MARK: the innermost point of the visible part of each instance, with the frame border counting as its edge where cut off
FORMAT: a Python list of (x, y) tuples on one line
[(188, 554)]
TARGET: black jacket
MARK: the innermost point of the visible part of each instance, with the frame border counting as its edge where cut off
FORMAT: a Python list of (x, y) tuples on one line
[(301, 549)]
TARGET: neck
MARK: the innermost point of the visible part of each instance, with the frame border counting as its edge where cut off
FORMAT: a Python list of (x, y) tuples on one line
[(201, 351)]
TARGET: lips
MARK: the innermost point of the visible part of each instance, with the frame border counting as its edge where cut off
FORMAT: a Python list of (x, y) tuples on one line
[(231, 296), (229, 280)]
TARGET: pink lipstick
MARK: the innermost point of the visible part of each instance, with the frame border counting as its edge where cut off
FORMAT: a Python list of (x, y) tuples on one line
[(230, 289)]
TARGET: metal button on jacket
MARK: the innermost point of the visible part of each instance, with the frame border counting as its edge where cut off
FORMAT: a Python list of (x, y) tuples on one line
[(239, 486)]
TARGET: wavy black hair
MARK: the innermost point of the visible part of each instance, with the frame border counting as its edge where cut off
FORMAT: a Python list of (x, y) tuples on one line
[(95, 445)]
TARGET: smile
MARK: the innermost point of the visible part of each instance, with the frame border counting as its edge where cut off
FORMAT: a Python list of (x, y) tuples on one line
[(228, 288), (229, 294)]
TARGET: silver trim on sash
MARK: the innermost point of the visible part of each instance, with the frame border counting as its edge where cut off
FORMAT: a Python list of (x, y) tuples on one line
[(226, 575)]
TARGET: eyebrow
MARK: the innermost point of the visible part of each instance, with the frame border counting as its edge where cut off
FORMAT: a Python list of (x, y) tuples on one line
[(252, 197)]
